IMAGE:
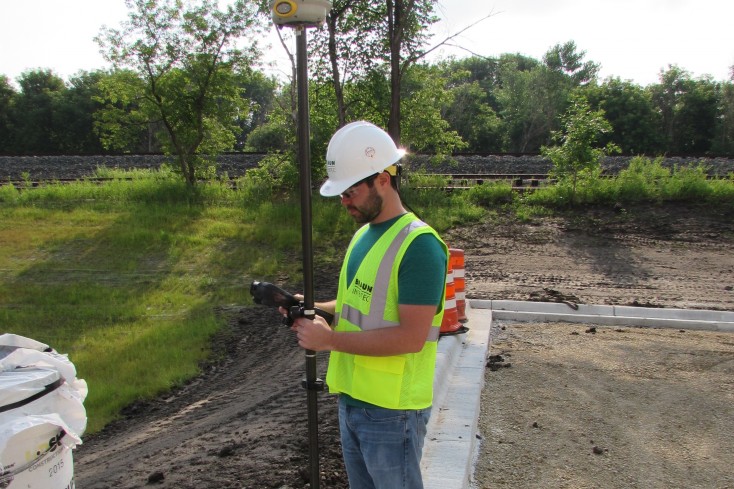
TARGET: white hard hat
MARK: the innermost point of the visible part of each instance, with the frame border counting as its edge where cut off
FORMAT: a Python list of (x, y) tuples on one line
[(355, 152)]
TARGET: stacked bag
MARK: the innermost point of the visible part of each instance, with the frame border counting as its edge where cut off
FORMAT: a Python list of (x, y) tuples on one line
[(42, 415)]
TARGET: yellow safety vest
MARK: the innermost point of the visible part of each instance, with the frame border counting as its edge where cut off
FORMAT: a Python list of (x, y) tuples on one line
[(370, 302)]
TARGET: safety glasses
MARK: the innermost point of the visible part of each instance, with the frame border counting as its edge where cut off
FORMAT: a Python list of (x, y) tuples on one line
[(353, 191)]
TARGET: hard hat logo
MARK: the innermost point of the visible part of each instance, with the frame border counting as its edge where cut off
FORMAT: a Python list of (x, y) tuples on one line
[(330, 166), (356, 151)]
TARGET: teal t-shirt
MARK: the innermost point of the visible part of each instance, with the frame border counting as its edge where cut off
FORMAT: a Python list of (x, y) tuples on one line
[(422, 272)]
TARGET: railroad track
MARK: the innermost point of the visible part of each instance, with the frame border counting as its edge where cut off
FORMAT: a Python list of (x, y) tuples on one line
[(453, 180)]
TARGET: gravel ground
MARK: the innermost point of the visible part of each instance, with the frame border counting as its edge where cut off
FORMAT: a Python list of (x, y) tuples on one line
[(565, 408)]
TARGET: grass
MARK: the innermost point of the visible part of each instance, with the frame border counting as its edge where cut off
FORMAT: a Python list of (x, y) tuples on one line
[(126, 277)]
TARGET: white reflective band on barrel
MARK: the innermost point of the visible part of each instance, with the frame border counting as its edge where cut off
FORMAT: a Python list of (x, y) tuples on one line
[(375, 320)]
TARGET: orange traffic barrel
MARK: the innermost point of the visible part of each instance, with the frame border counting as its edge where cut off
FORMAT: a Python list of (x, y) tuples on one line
[(457, 264), (450, 323)]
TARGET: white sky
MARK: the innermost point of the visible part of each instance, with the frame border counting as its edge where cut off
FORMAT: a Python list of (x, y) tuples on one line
[(631, 39)]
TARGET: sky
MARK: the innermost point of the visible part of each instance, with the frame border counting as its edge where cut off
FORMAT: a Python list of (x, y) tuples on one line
[(631, 39)]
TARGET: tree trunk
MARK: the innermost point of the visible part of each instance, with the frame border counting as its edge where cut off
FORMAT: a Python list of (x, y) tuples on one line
[(397, 13), (341, 111)]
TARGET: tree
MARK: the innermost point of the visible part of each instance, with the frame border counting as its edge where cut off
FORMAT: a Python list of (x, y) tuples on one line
[(470, 110), (696, 121), (74, 115), (36, 122), (7, 97), (688, 109), (521, 98), (577, 154), (631, 113), (186, 57), (565, 60), (349, 48), (407, 25), (533, 95), (724, 142), (368, 37), (424, 96), (259, 91)]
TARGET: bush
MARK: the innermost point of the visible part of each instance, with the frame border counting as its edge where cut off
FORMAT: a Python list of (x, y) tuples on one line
[(490, 194), (688, 184)]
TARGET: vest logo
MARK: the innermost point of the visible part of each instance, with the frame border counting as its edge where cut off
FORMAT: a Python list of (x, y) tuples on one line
[(362, 290)]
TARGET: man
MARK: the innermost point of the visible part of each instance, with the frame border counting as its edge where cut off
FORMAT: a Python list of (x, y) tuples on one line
[(388, 315)]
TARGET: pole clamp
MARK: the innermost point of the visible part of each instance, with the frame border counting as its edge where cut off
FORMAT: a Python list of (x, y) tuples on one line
[(316, 385)]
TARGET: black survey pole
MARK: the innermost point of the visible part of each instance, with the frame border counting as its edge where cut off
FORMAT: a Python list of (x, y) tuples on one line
[(301, 14), (312, 384)]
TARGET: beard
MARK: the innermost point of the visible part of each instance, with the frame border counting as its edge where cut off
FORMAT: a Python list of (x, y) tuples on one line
[(369, 210)]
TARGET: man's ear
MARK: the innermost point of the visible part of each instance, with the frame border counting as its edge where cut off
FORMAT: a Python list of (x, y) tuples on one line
[(383, 178)]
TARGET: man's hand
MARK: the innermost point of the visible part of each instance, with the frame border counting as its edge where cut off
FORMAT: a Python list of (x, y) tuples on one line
[(314, 334)]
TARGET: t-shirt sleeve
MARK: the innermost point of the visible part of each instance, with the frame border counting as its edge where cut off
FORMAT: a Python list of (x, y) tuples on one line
[(422, 274)]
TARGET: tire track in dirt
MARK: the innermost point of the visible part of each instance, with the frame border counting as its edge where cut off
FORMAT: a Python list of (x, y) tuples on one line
[(250, 409)]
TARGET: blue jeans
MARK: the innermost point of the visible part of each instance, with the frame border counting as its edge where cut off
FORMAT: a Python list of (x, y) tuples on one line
[(382, 447)]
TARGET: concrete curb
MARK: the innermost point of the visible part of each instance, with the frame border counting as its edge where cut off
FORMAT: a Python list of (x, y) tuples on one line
[(610, 315), (451, 443)]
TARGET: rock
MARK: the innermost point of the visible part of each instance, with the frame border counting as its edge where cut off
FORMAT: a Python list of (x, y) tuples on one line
[(156, 477)]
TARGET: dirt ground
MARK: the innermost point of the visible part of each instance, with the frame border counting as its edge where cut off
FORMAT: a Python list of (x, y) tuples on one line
[(562, 406)]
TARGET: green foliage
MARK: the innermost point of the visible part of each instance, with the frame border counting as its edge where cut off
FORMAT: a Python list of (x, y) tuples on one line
[(564, 59), (688, 109), (490, 194), (423, 124), (427, 196), (276, 173), (724, 141), (186, 59), (643, 181), (576, 157), (266, 138), (126, 276), (184, 82), (630, 111), (34, 111), (722, 190), (469, 111)]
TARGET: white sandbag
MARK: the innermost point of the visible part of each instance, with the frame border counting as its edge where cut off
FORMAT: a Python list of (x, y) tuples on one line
[(53, 470), (42, 415), (35, 453), (17, 341), (39, 391), (26, 357), (24, 440)]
